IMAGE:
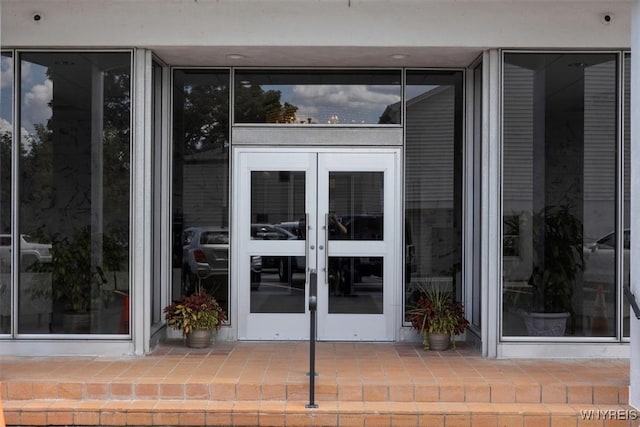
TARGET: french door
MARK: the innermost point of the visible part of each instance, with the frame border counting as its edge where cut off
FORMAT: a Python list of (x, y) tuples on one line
[(333, 212)]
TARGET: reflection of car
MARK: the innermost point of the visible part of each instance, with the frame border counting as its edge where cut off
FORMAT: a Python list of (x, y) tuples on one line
[(600, 259), (30, 251), (270, 232), (294, 227), (286, 265), (205, 254)]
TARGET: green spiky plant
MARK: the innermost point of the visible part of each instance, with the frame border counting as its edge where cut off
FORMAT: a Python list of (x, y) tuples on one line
[(435, 311)]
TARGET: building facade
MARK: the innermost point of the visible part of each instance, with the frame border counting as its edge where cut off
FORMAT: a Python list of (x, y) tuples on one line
[(152, 149)]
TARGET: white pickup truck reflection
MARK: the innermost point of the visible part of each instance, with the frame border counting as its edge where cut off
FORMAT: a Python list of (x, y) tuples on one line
[(30, 251)]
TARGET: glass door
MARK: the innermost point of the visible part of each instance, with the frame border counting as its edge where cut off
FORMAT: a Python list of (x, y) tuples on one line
[(331, 212), (275, 196), (358, 227)]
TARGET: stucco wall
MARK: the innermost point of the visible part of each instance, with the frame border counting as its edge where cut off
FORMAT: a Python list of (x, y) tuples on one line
[(337, 30)]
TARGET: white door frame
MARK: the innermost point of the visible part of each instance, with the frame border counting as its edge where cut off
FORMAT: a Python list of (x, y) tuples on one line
[(256, 326)]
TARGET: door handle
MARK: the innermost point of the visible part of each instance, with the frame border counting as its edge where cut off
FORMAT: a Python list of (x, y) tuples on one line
[(326, 249), (306, 244)]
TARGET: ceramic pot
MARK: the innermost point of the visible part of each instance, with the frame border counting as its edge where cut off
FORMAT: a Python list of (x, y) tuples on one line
[(200, 338), (76, 323), (438, 341), (546, 324)]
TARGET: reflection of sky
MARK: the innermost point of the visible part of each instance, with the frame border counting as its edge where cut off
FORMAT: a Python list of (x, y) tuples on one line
[(345, 104), (413, 91), (322, 103), (6, 80), (37, 92)]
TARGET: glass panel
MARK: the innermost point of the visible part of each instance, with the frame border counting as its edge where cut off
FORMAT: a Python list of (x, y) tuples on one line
[(327, 97), (356, 205), (278, 213), (74, 193), (277, 205), (433, 180), (156, 137), (627, 191), (6, 132), (559, 187), (476, 318), (201, 183), (355, 285), (277, 284)]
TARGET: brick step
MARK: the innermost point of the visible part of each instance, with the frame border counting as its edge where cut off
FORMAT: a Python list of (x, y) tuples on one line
[(57, 412), (345, 391)]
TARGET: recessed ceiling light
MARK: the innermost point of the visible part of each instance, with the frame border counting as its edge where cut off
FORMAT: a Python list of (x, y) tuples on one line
[(235, 56), (398, 56)]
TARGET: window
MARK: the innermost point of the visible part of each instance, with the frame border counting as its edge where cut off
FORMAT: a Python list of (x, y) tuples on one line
[(74, 174), (560, 115), (317, 97), (201, 182), (6, 134), (433, 182)]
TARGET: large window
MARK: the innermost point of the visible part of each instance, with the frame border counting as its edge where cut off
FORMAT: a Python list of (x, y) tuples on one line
[(74, 174), (626, 244), (201, 183), (6, 132), (433, 182), (357, 97), (559, 194)]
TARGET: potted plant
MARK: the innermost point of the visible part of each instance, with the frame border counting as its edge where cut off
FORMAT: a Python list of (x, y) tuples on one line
[(197, 316), (437, 317), (557, 260), (77, 275)]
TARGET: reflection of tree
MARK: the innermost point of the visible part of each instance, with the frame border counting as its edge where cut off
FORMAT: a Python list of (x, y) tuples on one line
[(203, 121), (254, 105), (202, 114), (36, 178), (56, 160), (116, 149), (200, 151), (5, 182)]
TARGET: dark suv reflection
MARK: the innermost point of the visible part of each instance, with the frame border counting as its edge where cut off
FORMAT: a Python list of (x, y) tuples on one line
[(286, 266)]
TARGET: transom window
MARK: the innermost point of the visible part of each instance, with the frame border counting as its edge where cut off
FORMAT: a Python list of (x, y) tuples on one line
[(318, 97)]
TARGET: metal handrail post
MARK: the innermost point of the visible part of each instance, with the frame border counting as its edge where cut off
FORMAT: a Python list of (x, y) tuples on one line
[(313, 304)]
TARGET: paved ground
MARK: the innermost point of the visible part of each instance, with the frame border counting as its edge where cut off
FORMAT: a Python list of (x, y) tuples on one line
[(357, 384)]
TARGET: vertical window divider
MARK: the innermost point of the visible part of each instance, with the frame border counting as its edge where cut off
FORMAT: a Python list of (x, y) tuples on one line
[(619, 194), (15, 199)]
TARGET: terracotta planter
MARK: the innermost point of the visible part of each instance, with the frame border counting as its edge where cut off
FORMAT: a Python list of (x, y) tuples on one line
[(438, 341), (200, 338)]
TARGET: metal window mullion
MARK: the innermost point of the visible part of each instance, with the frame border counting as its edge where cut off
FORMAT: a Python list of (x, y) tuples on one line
[(403, 177), (619, 202), (166, 212), (15, 199), (491, 259)]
